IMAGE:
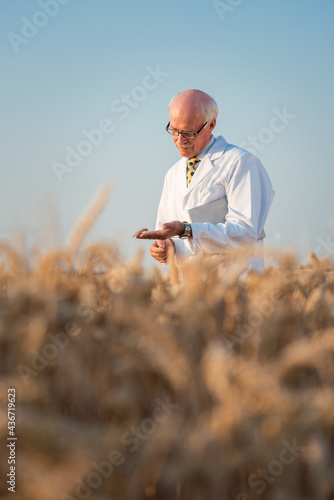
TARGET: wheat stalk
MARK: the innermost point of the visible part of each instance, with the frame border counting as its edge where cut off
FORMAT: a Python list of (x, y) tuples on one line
[(88, 218)]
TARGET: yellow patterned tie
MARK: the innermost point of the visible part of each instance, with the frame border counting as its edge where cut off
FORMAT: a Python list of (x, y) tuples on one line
[(191, 162)]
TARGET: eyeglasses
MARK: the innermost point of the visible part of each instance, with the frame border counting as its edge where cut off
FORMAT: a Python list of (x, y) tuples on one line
[(186, 135)]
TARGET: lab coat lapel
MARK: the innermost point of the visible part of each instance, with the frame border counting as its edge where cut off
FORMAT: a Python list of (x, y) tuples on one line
[(181, 179), (202, 171), (206, 165)]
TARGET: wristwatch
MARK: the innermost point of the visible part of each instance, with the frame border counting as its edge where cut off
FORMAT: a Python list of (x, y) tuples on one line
[(187, 233)]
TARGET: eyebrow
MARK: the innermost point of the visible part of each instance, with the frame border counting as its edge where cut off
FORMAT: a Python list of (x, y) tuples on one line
[(186, 131)]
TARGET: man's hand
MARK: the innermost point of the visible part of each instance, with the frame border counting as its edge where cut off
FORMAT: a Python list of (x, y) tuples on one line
[(159, 250), (170, 229)]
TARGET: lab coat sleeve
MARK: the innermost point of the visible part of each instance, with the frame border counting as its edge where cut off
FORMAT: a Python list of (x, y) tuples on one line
[(249, 196)]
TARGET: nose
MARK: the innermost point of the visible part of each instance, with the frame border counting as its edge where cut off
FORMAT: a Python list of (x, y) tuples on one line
[(181, 140)]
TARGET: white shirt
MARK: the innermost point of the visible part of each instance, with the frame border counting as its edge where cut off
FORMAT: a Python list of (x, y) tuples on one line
[(225, 171)]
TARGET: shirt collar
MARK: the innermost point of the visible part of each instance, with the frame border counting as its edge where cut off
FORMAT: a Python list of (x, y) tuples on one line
[(201, 155)]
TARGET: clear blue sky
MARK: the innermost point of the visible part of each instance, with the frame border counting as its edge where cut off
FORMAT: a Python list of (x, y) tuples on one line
[(70, 66)]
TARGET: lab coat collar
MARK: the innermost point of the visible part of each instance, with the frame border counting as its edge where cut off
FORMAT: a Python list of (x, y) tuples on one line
[(218, 148), (215, 152)]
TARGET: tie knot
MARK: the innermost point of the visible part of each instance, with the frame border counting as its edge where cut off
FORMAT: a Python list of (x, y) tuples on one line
[(192, 161)]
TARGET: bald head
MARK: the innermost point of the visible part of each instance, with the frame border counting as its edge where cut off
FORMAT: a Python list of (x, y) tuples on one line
[(194, 102), (192, 111)]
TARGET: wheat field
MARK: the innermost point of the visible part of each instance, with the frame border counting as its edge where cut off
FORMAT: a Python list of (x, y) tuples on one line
[(134, 383)]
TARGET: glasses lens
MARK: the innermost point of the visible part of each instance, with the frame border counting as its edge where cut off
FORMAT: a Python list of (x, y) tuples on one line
[(188, 135), (171, 131)]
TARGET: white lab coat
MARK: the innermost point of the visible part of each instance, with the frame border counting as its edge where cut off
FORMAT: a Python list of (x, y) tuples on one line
[(229, 172)]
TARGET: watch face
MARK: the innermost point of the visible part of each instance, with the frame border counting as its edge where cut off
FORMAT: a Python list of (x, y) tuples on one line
[(187, 231)]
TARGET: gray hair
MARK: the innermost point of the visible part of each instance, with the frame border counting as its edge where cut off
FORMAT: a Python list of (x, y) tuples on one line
[(207, 105), (210, 109)]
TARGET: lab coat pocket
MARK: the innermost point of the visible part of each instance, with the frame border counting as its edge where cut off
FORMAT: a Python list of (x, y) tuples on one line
[(214, 212), (212, 193)]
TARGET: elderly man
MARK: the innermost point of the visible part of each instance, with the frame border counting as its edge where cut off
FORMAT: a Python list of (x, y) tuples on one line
[(217, 196)]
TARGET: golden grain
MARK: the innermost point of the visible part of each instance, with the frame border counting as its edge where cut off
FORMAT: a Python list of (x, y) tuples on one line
[(98, 348)]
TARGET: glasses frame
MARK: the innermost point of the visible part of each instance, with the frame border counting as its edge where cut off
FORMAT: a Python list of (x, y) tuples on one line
[(195, 134)]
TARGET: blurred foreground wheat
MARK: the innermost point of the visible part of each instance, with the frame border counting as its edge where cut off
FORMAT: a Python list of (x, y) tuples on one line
[(132, 385)]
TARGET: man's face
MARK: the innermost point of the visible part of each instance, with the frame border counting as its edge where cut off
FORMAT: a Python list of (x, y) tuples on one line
[(185, 120)]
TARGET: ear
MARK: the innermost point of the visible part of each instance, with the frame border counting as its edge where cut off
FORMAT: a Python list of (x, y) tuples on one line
[(212, 124)]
